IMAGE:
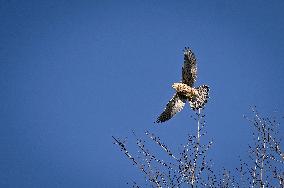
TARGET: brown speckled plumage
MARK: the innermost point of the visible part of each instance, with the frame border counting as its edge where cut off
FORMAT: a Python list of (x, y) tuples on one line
[(197, 97)]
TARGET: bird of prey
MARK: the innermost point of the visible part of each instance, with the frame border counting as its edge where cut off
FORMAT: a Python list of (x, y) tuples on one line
[(196, 96)]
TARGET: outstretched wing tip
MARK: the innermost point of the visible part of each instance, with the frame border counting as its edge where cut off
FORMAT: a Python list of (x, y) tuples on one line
[(186, 49)]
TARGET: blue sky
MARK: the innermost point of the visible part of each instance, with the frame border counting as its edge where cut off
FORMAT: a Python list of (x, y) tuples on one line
[(74, 73)]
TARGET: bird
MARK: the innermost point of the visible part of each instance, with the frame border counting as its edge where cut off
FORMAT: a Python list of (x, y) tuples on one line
[(185, 90)]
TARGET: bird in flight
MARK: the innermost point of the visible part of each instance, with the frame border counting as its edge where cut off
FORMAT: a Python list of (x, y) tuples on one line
[(196, 96)]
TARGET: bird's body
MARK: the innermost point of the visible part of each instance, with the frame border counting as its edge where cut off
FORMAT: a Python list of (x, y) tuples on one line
[(185, 90), (196, 96)]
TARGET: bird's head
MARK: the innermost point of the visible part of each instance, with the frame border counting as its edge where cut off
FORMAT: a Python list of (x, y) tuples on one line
[(175, 86)]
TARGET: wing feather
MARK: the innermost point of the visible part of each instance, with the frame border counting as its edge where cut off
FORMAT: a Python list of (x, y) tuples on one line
[(174, 106), (189, 69)]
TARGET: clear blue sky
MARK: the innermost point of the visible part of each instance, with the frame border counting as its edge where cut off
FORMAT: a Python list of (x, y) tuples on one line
[(74, 73)]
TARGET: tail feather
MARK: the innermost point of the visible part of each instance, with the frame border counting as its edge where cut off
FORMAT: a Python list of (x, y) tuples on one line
[(200, 100)]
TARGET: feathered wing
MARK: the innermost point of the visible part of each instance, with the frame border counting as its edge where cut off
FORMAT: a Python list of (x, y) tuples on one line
[(201, 99), (174, 106), (189, 69)]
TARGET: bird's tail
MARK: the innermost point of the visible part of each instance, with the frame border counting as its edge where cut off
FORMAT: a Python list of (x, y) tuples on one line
[(201, 99)]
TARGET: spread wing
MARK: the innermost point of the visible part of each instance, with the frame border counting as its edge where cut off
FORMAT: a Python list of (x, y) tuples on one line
[(174, 106), (189, 69)]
